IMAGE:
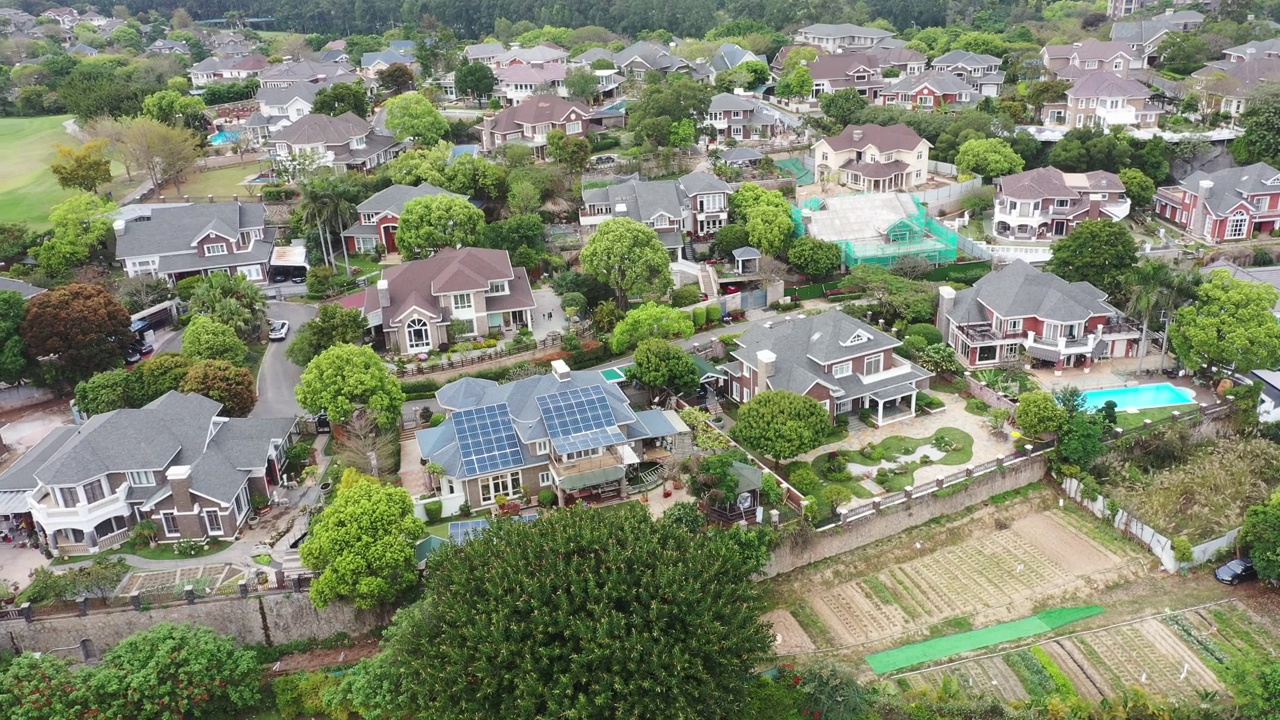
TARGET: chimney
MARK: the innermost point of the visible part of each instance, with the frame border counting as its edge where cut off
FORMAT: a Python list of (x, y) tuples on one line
[(856, 135), (946, 301), (1075, 45), (179, 477), (765, 360), (384, 294), (1250, 51), (1095, 209), (120, 226), (1168, 11), (1196, 226), (560, 369)]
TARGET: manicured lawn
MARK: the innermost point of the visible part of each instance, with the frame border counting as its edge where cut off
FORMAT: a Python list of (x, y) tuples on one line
[(1126, 421), (221, 183), (900, 445), (161, 552), (27, 187), (954, 387)]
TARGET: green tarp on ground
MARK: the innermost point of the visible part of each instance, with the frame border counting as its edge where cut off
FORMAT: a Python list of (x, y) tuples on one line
[(938, 648)]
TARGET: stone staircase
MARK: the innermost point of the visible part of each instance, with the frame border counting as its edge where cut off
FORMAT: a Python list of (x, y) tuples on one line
[(687, 252), (708, 281)]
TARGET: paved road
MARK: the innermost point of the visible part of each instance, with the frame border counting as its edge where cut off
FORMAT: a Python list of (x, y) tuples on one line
[(278, 377)]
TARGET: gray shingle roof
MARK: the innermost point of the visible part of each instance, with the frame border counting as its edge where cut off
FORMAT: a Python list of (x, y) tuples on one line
[(639, 200), (1260, 48), (653, 55), (1142, 32), (1020, 290), (174, 230), (482, 50), (944, 83), (316, 129), (389, 57), (965, 59), (883, 137), (844, 30), (1104, 84), (393, 198), (451, 270), (23, 289), (1050, 182), (1229, 183), (22, 474), (305, 70), (306, 91), (804, 344), (697, 183), (1089, 49)]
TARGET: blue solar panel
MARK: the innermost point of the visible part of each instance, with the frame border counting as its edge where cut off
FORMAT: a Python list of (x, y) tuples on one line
[(576, 410), (486, 439), (461, 532), (589, 440)]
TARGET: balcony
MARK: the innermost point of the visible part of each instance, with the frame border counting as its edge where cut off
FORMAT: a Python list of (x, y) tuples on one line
[(1123, 115), (609, 458), (985, 334), (80, 517), (1121, 329)]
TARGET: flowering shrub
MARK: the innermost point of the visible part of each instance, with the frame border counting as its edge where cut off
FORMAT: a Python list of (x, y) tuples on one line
[(188, 548)]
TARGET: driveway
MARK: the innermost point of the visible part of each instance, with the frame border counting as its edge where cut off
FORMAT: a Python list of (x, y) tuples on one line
[(278, 377)]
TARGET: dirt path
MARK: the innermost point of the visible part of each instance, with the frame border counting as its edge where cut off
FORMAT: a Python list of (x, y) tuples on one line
[(327, 657)]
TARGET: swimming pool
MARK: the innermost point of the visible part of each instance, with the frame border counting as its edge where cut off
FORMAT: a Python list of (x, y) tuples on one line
[(1140, 397), (224, 137)]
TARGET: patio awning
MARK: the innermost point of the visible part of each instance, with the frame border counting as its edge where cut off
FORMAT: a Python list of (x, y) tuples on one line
[(892, 393), (1045, 354), (628, 455), (13, 502), (592, 478), (1099, 348)]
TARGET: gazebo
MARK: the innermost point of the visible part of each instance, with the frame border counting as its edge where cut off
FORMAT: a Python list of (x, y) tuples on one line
[(747, 259)]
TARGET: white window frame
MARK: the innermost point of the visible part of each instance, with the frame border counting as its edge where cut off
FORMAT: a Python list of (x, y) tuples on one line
[(141, 478), (1013, 326), (876, 360), (542, 447), (416, 325), (573, 128), (215, 249), (241, 502), (495, 485), (367, 218), (844, 369), (216, 517), (253, 272), (498, 287), (1237, 225), (366, 244), (167, 517), (462, 301), (925, 100), (544, 479), (582, 454)]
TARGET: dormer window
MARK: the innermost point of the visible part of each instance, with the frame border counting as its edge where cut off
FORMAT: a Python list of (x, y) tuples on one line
[(859, 337), (141, 478), (498, 287), (873, 365), (357, 142), (843, 369), (215, 249), (366, 218)]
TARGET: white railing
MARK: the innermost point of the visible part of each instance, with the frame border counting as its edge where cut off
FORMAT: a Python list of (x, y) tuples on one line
[(115, 539)]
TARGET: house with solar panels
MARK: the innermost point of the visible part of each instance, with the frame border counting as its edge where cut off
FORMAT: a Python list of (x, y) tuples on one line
[(570, 431)]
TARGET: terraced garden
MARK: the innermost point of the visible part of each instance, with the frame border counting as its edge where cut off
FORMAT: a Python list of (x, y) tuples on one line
[(987, 579)]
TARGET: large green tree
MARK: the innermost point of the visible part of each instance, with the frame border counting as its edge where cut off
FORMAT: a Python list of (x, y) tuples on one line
[(1261, 139), (1230, 324), (1261, 536), (434, 222), (843, 107), (475, 80), (1140, 188), (82, 168), (208, 339), (1039, 413), (780, 424), (770, 229), (74, 331), (413, 116), (1096, 251), (177, 109), (813, 257), (41, 687), (362, 545), (346, 378), (233, 300), (332, 326), (174, 671), (628, 257), (650, 320), (81, 225), (578, 615), (228, 384), (988, 157), (341, 98), (14, 363), (659, 364)]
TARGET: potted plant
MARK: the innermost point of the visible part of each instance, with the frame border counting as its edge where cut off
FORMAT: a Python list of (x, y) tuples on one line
[(260, 502)]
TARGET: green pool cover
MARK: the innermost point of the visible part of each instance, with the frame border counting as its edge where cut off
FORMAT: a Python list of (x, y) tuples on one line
[(615, 374), (937, 648)]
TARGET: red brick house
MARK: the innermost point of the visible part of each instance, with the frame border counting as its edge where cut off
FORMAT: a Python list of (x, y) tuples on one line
[(1021, 308), (928, 91), (531, 121), (843, 363), (380, 217), (1230, 204)]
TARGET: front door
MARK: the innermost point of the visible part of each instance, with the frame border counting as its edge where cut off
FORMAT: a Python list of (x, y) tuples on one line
[(389, 237)]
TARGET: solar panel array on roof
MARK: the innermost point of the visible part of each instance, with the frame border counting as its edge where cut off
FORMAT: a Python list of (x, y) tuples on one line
[(486, 439), (462, 531), (580, 419)]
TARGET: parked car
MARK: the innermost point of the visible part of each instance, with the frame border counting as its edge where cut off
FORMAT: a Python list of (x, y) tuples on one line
[(1236, 571), (142, 347), (279, 329), (731, 288), (132, 356)]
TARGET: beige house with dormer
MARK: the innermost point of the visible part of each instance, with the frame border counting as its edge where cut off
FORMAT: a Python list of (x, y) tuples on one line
[(873, 158)]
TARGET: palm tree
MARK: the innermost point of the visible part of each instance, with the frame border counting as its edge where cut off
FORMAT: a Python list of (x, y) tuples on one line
[(1182, 289), (1148, 285), (325, 202), (234, 301)]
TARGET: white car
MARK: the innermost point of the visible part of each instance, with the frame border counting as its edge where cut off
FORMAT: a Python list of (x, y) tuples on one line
[(279, 329)]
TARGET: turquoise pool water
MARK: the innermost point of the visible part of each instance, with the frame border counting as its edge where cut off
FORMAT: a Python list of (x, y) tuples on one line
[(1140, 397), (224, 137)]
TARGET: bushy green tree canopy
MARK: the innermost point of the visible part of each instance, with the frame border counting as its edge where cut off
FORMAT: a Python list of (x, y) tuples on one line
[(345, 378), (208, 339), (628, 257), (1230, 324), (781, 424), (650, 320), (659, 364)]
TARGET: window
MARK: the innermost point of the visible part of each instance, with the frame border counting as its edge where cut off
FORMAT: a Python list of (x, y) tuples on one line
[(1117, 65), (917, 174), (253, 272), (1093, 102), (1090, 64), (1013, 326), (544, 479), (542, 447), (417, 335), (213, 521), (215, 249), (926, 101), (573, 128), (366, 244), (573, 456), (711, 203), (843, 369), (141, 478), (1236, 225), (1260, 203), (920, 155), (93, 492), (824, 157), (871, 157), (170, 522), (1062, 202), (366, 218), (496, 485), (68, 497), (873, 365), (462, 301), (242, 502)]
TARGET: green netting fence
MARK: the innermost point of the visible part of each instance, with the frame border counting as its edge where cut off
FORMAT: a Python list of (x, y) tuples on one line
[(938, 648), (919, 235)]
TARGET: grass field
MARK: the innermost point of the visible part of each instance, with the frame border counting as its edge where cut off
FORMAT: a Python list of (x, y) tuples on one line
[(221, 183), (27, 188)]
